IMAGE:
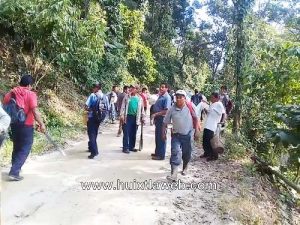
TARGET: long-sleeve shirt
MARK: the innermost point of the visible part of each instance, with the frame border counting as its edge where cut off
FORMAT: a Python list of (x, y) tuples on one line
[(140, 111)]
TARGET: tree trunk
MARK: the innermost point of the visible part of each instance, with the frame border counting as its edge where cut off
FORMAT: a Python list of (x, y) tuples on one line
[(239, 58)]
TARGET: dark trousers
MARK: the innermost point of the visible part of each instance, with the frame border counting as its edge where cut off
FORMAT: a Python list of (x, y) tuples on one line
[(207, 136), (181, 148), (160, 144), (92, 129), (22, 137), (129, 133)]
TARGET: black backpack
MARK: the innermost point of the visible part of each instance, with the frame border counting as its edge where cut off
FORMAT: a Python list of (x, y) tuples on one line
[(100, 109), (196, 99), (16, 113)]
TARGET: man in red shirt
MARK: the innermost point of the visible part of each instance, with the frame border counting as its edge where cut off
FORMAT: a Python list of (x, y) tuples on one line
[(144, 97), (22, 133)]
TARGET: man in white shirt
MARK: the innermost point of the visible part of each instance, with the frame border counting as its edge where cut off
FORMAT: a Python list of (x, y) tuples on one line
[(216, 114), (4, 124)]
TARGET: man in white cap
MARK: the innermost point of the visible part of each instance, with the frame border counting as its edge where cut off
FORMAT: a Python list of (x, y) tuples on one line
[(184, 119)]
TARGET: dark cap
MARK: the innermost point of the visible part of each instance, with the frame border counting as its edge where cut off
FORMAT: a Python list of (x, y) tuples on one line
[(26, 80), (97, 85)]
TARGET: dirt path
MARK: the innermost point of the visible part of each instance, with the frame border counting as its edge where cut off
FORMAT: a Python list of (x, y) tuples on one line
[(51, 192)]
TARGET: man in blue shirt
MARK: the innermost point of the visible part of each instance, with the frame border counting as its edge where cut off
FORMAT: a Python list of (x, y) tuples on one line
[(92, 123), (160, 108)]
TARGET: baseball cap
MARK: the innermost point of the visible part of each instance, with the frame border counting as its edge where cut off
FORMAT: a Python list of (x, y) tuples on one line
[(180, 92)]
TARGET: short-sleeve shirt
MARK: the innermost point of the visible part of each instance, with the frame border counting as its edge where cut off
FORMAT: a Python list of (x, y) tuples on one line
[(181, 119), (214, 116), (92, 101), (25, 99), (162, 103)]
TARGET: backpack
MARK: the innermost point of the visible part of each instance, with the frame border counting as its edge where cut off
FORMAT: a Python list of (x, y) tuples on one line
[(16, 113), (196, 99), (100, 109)]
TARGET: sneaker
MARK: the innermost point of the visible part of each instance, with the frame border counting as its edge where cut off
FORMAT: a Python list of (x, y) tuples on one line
[(203, 156), (15, 177), (157, 158), (133, 150), (126, 151), (153, 154), (92, 156)]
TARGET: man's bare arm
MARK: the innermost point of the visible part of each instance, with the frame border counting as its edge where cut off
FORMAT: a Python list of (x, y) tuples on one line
[(38, 118)]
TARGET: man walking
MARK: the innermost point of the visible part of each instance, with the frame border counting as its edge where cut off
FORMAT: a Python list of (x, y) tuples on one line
[(160, 109), (132, 114), (22, 132), (184, 120), (216, 114), (112, 98), (95, 100), (196, 98)]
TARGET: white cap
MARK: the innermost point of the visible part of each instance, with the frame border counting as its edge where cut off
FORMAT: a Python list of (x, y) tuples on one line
[(180, 92)]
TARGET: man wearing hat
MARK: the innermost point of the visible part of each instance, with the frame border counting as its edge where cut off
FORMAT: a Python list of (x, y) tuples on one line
[(22, 133), (132, 115), (184, 119)]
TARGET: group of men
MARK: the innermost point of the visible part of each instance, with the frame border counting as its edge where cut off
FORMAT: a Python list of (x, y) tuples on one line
[(130, 107), (181, 113)]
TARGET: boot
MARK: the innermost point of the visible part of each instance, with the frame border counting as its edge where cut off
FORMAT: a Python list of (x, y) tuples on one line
[(174, 171), (184, 168)]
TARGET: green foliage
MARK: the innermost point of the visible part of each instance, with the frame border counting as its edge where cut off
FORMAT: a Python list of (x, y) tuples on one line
[(236, 146)]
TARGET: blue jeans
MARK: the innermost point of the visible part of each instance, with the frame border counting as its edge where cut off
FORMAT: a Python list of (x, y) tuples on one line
[(112, 112), (181, 148), (160, 144), (22, 137), (129, 133), (92, 129)]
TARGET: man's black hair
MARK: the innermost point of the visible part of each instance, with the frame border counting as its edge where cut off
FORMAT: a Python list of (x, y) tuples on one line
[(165, 83), (224, 87), (215, 94), (125, 87), (196, 91), (144, 89), (97, 85), (26, 80)]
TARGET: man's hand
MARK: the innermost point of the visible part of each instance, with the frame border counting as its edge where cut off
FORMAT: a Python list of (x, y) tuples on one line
[(143, 121), (164, 136), (122, 120), (197, 135), (41, 128)]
